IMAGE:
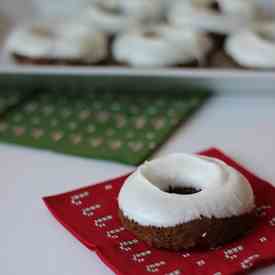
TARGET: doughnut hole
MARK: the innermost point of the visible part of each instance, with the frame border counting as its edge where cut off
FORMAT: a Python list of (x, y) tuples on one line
[(182, 190), (214, 6), (151, 34), (112, 9)]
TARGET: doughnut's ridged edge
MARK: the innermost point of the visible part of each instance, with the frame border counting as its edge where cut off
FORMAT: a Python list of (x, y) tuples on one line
[(204, 232)]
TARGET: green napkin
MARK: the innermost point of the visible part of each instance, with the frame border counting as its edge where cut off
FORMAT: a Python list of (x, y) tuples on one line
[(11, 98), (125, 127)]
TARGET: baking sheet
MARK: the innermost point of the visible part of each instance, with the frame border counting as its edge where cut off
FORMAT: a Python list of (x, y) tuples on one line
[(13, 12)]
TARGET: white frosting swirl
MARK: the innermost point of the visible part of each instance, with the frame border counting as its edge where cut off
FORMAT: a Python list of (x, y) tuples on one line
[(62, 40), (113, 16), (224, 191), (233, 15), (253, 48), (161, 46)]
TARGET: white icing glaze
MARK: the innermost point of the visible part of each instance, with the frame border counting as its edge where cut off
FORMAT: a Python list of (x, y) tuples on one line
[(113, 16), (224, 191), (253, 47), (247, 9), (59, 40), (234, 14), (165, 47)]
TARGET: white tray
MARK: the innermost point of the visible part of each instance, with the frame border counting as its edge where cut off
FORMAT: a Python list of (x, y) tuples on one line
[(17, 11)]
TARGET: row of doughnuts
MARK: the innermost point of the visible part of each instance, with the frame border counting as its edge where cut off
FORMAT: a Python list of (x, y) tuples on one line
[(154, 33)]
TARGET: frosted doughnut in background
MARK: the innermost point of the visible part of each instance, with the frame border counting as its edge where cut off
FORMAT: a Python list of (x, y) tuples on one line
[(234, 15), (58, 40), (253, 47), (161, 46)]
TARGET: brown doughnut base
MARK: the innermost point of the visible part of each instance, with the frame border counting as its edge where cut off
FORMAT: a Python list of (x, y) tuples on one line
[(24, 60), (221, 60), (204, 232)]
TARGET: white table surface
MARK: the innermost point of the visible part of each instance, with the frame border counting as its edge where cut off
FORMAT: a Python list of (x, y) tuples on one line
[(32, 242)]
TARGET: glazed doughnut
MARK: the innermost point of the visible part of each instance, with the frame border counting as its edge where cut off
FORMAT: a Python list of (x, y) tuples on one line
[(215, 16), (253, 48), (181, 200), (58, 42), (161, 46), (114, 16)]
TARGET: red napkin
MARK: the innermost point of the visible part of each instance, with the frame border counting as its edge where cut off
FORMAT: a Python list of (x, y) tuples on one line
[(90, 214)]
